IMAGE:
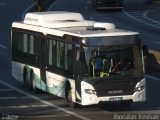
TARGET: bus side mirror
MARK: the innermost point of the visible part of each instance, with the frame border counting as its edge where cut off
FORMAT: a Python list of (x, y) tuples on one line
[(145, 50)]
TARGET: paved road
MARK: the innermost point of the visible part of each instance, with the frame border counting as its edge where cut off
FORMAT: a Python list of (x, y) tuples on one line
[(18, 102), (154, 14)]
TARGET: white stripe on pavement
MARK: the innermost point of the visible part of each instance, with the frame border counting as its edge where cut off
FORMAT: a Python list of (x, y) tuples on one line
[(91, 18), (126, 13), (145, 15), (54, 3), (24, 13), (157, 42), (23, 106), (9, 98), (44, 116), (3, 90), (2, 46), (44, 101), (151, 77)]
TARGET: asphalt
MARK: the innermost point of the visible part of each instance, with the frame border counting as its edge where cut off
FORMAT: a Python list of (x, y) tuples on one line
[(154, 14)]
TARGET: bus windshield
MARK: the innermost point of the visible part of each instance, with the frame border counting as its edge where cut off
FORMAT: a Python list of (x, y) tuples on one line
[(112, 61)]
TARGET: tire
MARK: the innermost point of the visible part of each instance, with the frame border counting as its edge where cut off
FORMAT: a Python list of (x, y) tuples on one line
[(33, 83), (69, 98), (25, 76)]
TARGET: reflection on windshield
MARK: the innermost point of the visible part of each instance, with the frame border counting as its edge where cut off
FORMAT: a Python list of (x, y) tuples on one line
[(109, 61)]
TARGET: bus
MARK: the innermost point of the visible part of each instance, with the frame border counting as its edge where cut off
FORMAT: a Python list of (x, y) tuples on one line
[(107, 4), (86, 62)]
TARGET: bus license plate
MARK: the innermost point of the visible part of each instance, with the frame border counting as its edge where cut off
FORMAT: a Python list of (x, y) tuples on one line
[(115, 99)]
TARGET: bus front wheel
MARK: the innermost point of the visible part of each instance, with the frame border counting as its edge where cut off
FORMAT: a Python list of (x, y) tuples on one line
[(69, 99)]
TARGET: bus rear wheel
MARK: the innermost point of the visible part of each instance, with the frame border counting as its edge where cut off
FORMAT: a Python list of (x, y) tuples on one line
[(33, 83), (25, 76)]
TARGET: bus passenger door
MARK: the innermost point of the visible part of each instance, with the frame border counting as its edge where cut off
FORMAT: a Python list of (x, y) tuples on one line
[(43, 63)]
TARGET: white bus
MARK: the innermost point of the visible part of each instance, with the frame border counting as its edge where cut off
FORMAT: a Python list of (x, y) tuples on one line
[(86, 62), (107, 4)]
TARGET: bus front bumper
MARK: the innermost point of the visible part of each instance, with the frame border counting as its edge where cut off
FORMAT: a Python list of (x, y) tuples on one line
[(90, 99)]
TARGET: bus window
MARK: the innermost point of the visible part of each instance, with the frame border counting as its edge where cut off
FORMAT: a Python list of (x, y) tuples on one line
[(25, 43), (60, 55), (31, 49), (52, 53)]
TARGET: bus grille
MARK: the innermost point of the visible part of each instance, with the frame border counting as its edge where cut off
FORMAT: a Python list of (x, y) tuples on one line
[(115, 88)]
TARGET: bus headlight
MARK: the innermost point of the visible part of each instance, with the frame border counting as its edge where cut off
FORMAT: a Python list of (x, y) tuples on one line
[(138, 89), (89, 91)]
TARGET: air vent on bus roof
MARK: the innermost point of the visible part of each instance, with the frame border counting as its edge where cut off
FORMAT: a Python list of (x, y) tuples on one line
[(38, 18), (103, 25)]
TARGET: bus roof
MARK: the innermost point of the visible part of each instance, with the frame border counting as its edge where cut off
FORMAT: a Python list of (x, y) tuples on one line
[(67, 23)]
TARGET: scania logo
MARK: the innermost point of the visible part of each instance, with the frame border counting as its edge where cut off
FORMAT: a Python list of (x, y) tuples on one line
[(115, 92)]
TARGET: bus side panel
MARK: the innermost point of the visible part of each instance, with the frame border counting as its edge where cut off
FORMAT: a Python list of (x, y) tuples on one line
[(17, 73), (56, 84)]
